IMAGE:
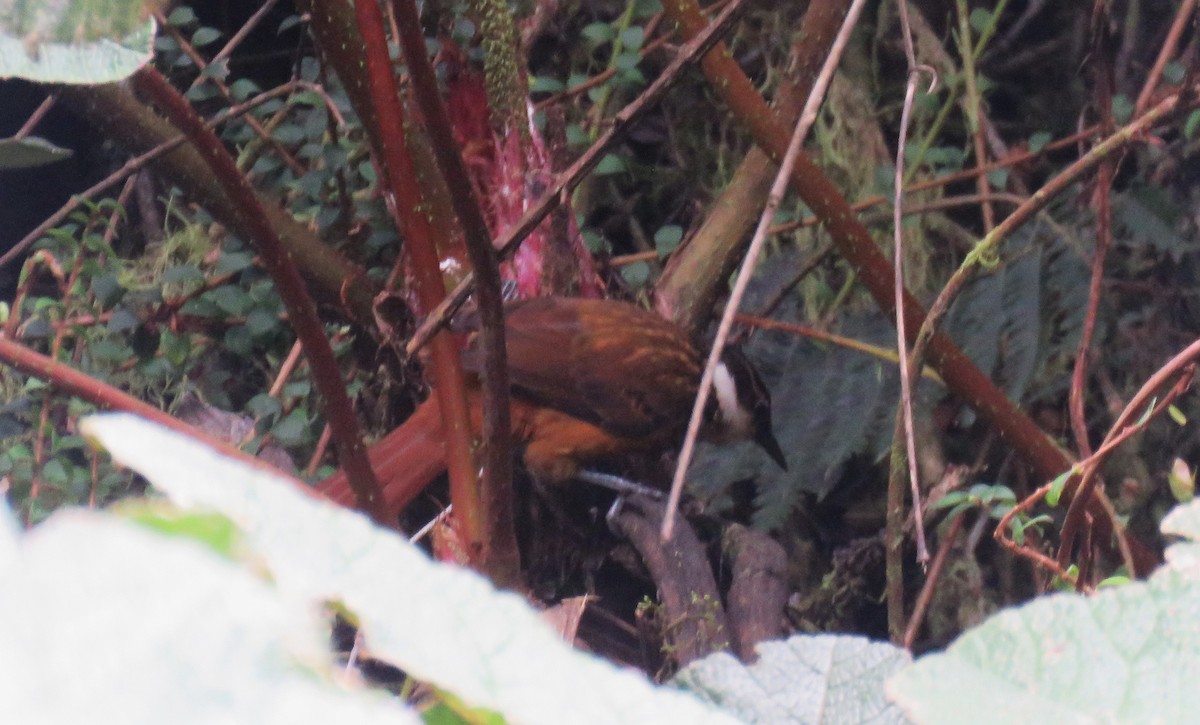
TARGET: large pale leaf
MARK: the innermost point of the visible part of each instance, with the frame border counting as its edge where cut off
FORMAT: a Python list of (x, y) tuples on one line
[(74, 41), (807, 679), (1184, 522), (1126, 654), (441, 624), (103, 620)]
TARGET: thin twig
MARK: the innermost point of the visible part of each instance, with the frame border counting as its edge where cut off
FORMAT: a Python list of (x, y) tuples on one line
[(1103, 205), (876, 351), (102, 395), (895, 503), (964, 175), (973, 105), (930, 586), (36, 117), (1037, 557), (778, 188), (243, 31), (1170, 44), (1121, 430)]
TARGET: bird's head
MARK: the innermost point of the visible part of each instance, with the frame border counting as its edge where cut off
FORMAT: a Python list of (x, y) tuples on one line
[(743, 405)]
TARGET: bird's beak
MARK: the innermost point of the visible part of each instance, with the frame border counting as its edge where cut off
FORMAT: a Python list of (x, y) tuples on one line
[(765, 437)]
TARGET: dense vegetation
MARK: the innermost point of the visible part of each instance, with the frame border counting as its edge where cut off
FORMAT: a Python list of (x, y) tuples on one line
[(1049, 182)]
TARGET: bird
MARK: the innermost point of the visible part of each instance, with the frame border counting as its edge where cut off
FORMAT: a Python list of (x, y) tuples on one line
[(591, 380)]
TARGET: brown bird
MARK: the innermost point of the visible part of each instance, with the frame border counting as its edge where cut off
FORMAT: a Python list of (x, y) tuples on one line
[(591, 380)]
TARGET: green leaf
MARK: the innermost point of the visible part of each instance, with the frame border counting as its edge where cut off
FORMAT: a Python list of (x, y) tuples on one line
[(464, 30), (110, 350), (367, 171), (181, 15), (1191, 124), (291, 431), (19, 452), (70, 442), (243, 88), (1145, 416), (265, 165), (576, 136), (576, 80), (633, 37), (1122, 108), (299, 389), (980, 19), (213, 530), (30, 152), (544, 84), (646, 8), (636, 274), (667, 238), (1057, 485), (287, 24), (1149, 215), (598, 33), (954, 498), (263, 406), (239, 340), (202, 92), (183, 273), (231, 299), (218, 69), (1174, 72), (1182, 481), (204, 36), (175, 347), (54, 473), (262, 321), (1018, 532), (1038, 141), (288, 133), (122, 319), (626, 61), (610, 164), (231, 262)]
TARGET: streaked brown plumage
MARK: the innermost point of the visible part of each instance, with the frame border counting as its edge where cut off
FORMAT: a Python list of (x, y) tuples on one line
[(591, 380)]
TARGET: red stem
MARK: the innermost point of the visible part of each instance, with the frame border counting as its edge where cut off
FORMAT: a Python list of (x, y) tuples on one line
[(501, 557), (407, 206), (104, 396)]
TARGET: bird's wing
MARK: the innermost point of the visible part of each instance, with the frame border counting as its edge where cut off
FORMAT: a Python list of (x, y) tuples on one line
[(609, 363)]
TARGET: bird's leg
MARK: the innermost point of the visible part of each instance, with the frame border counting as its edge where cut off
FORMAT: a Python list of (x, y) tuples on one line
[(621, 485)]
